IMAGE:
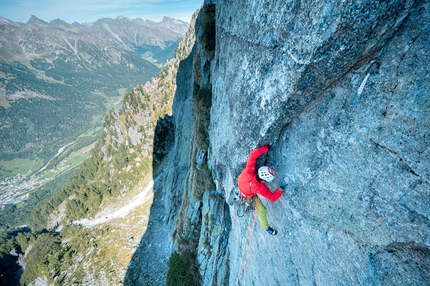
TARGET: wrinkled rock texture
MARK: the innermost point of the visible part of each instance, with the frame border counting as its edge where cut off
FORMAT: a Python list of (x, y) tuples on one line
[(356, 211), (207, 221)]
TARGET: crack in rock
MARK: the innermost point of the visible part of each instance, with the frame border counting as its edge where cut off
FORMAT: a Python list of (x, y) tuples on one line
[(401, 158)]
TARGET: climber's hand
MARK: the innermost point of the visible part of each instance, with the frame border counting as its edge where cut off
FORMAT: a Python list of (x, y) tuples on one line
[(271, 145), (284, 183)]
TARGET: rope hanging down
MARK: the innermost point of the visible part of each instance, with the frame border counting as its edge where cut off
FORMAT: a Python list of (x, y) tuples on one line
[(247, 249)]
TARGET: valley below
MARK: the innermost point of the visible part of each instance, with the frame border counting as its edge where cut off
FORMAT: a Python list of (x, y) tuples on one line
[(84, 130), (15, 189), (57, 83)]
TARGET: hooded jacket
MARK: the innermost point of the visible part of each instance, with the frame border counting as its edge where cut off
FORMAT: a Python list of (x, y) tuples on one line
[(248, 183)]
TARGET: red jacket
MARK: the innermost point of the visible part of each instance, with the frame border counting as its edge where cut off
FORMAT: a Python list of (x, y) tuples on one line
[(248, 183)]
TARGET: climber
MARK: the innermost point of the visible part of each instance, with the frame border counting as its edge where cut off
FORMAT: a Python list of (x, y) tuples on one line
[(251, 183)]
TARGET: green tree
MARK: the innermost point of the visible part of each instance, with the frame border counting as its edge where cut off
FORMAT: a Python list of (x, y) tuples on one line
[(23, 240), (182, 270)]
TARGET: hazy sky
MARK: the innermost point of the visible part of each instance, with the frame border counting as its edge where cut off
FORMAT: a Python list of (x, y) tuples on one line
[(92, 10)]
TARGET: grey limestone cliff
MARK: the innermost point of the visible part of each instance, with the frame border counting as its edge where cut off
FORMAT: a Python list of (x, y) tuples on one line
[(356, 211)]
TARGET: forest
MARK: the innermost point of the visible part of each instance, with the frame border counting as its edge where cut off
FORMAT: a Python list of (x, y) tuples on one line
[(42, 126), (128, 135)]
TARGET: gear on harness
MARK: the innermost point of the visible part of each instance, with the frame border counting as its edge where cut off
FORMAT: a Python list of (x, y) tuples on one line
[(249, 204), (244, 205)]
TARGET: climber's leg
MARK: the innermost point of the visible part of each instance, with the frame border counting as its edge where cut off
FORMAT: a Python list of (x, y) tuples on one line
[(262, 212)]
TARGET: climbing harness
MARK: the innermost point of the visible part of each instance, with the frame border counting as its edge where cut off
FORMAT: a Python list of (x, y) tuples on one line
[(244, 205), (356, 99), (249, 204)]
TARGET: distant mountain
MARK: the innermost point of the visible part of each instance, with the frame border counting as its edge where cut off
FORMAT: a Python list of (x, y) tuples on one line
[(57, 80), (135, 139), (136, 36)]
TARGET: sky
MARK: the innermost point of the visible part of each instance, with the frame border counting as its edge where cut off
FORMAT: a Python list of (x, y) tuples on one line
[(91, 10)]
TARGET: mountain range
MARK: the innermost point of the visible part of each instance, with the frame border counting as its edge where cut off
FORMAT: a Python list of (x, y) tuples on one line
[(57, 81), (135, 137), (37, 39)]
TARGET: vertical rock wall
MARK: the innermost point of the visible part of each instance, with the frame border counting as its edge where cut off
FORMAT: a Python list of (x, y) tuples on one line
[(199, 218), (357, 208)]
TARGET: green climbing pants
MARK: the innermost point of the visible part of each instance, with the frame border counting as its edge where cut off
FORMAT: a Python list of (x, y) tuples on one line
[(262, 212)]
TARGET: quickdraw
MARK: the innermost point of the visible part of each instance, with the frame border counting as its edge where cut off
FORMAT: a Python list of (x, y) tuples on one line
[(244, 205)]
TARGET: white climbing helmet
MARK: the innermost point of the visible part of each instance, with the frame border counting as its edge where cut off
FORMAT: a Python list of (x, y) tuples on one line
[(266, 173)]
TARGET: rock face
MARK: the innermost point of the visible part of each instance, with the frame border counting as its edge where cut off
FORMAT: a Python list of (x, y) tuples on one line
[(356, 211), (357, 207)]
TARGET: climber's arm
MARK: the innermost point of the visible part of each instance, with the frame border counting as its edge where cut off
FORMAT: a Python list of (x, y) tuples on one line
[(252, 160), (265, 192)]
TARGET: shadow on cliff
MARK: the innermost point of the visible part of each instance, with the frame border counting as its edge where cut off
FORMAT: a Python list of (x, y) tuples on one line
[(149, 263)]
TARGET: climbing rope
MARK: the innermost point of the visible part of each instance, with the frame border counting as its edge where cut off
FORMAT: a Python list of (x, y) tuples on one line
[(247, 249)]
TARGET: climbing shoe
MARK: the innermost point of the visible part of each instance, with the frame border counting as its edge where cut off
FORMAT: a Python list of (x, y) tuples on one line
[(272, 231)]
